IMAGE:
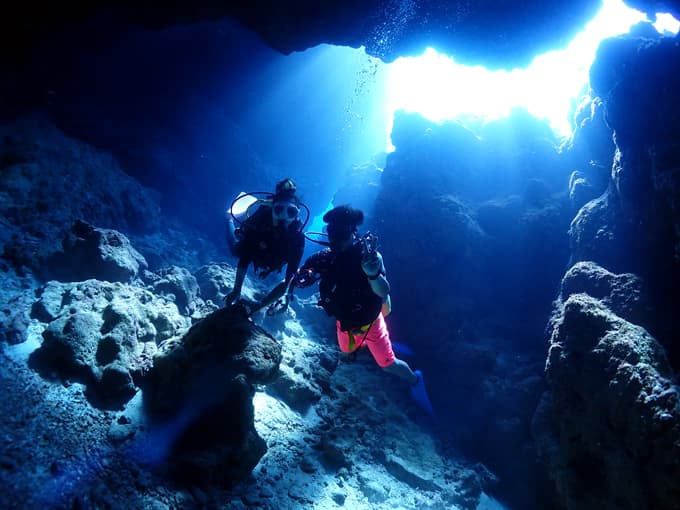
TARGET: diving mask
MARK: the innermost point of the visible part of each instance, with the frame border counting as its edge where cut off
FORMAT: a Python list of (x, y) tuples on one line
[(287, 211)]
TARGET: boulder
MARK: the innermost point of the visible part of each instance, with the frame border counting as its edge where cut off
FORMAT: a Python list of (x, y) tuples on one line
[(201, 388), (95, 253), (215, 281), (180, 284), (624, 294), (96, 333), (609, 425)]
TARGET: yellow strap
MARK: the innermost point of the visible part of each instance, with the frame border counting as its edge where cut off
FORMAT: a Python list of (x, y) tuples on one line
[(351, 345), (363, 329)]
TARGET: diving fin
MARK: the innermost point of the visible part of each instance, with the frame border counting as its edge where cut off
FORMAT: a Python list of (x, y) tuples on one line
[(419, 394), (402, 349)]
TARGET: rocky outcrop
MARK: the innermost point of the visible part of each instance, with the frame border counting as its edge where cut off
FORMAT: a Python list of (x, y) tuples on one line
[(102, 335), (89, 252), (608, 427), (178, 284), (215, 281), (16, 299), (624, 294), (50, 181), (634, 227), (201, 388), (51, 184), (592, 142), (590, 152)]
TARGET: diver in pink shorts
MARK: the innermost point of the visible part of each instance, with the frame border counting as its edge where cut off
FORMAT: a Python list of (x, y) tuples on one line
[(353, 289)]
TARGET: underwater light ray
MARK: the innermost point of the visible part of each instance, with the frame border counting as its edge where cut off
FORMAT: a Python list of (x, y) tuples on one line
[(666, 23), (440, 89)]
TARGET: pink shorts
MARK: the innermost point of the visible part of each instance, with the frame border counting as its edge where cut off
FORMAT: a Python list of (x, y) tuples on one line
[(377, 340)]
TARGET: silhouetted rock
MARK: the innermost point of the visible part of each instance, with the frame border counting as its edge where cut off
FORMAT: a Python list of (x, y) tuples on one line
[(595, 234), (592, 141), (476, 33), (201, 387), (581, 190)]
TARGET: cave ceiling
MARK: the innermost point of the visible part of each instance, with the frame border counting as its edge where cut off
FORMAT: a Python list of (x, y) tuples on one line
[(494, 33)]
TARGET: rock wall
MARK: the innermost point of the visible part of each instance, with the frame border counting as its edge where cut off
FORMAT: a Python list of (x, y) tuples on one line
[(635, 225), (49, 181), (609, 426), (52, 183), (472, 224)]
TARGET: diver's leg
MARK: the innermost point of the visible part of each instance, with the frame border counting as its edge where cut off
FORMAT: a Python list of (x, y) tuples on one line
[(380, 345), (401, 369)]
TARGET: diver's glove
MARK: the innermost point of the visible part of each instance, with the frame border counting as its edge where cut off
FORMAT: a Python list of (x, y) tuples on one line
[(372, 265)]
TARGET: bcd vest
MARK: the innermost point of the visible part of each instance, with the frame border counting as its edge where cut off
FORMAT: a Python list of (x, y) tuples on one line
[(345, 292)]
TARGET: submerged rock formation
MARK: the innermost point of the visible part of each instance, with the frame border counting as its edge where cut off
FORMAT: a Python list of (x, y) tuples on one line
[(114, 326), (609, 426), (202, 387), (53, 186), (102, 335), (635, 226), (91, 252)]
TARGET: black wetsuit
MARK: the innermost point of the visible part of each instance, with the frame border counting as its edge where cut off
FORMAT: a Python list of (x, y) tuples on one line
[(345, 292), (269, 247)]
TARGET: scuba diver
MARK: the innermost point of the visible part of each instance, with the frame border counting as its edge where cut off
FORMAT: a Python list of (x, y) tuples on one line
[(354, 289), (269, 238)]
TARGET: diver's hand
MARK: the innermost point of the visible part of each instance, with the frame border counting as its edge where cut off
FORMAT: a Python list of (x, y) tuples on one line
[(372, 264), (231, 298)]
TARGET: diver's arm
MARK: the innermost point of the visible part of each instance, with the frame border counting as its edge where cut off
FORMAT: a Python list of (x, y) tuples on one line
[(274, 294), (231, 236), (294, 264), (294, 259), (290, 285), (375, 273), (380, 286), (233, 296)]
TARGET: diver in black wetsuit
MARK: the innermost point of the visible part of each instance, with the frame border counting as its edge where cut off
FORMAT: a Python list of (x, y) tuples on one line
[(269, 239), (354, 289)]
